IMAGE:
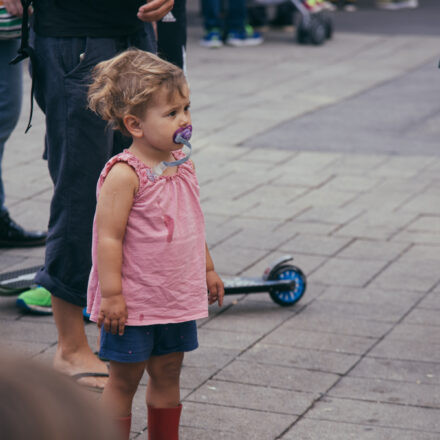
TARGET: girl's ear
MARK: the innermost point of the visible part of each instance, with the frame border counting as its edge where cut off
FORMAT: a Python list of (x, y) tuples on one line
[(132, 124)]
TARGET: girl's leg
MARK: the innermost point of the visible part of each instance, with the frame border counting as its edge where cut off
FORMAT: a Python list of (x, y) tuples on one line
[(163, 396), (119, 392), (121, 386), (163, 389)]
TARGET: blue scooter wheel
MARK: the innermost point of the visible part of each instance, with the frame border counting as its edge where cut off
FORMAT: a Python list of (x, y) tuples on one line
[(288, 298)]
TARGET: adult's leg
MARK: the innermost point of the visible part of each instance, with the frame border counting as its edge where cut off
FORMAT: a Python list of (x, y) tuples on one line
[(10, 98), (78, 144), (236, 16), (211, 14)]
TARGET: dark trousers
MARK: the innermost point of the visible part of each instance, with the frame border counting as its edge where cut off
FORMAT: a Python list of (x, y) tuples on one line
[(77, 145), (171, 35)]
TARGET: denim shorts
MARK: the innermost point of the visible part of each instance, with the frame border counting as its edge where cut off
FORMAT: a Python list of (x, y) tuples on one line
[(138, 343)]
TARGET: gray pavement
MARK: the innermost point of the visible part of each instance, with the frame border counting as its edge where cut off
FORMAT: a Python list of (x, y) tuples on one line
[(328, 153)]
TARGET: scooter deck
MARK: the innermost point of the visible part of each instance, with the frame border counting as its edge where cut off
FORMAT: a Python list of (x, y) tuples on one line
[(12, 283), (235, 285)]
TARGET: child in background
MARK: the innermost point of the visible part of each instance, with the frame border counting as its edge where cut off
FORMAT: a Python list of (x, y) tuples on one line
[(232, 28), (151, 267)]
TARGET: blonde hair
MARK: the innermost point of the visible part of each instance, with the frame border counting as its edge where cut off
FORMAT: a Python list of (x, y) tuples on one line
[(127, 83)]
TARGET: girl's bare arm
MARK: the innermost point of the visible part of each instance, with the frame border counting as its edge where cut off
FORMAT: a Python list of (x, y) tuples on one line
[(113, 208)]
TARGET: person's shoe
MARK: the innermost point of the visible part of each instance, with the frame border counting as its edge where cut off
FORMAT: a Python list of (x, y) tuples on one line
[(252, 37), (235, 38), (37, 300), (212, 39), (13, 235), (394, 5), (247, 38)]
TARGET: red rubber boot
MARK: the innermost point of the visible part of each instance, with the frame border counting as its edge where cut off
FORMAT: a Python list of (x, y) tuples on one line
[(163, 423), (124, 424)]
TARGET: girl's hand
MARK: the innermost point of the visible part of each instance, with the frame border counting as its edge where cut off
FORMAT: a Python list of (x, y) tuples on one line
[(216, 289), (154, 10), (113, 314)]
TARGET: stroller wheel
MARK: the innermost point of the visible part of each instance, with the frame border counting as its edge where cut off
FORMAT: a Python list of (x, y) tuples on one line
[(317, 32), (328, 24), (302, 32)]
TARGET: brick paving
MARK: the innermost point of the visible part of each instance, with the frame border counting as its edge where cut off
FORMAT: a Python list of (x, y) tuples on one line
[(358, 356)]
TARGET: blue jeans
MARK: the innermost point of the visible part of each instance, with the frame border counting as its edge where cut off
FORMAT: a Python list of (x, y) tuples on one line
[(78, 143), (235, 16), (10, 98)]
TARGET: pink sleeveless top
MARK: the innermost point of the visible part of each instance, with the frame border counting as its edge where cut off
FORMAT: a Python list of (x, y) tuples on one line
[(164, 261)]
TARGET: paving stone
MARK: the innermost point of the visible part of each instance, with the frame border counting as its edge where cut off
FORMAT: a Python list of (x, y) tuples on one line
[(318, 319), (253, 317), (427, 203), (403, 275), (382, 415), (333, 215), (210, 357), (411, 332), (225, 338), (423, 316), (262, 398), (313, 429), (8, 309), (418, 253), (431, 301), (370, 295), (233, 423), (231, 261), (407, 350), (311, 244), (372, 250), (317, 360), (347, 272), (283, 377), (317, 340), (397, 370), (22, 331), (426, 223), (387, 312), (380, 390)]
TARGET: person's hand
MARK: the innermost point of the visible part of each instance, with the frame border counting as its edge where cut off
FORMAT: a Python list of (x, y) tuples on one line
[(14, 7), (154, 10), (113, 314), (216, 289)]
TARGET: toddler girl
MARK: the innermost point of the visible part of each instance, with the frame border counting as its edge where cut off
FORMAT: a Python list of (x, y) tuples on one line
[(151, 267)]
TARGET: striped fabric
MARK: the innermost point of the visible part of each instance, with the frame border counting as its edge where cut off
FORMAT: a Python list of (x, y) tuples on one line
[(10, 26)]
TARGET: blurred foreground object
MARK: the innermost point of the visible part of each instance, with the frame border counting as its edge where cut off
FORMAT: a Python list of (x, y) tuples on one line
[(38, 403)]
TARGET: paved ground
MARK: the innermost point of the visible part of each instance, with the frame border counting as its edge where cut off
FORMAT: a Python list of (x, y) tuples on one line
[(330, 154)]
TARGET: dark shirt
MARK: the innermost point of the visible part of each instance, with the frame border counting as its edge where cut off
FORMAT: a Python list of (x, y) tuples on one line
[(86, 18)]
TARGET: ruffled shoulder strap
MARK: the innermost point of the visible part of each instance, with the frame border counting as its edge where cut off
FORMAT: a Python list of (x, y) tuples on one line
[(139, 168)]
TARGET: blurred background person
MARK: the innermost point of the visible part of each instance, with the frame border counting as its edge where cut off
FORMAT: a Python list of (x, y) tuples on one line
[(228, 26), (11, 234)]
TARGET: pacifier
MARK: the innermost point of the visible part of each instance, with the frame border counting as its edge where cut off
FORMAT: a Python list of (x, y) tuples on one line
[(181, 136)]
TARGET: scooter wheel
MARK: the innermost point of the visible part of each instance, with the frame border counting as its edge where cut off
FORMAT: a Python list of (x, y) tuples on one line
[(288, 298)]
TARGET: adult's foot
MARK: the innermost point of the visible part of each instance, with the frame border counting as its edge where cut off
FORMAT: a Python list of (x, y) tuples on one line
[(13, 235), (83, 361)]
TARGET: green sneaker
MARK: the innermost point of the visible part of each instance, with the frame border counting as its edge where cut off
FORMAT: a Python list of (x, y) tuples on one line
[(36, 300)]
